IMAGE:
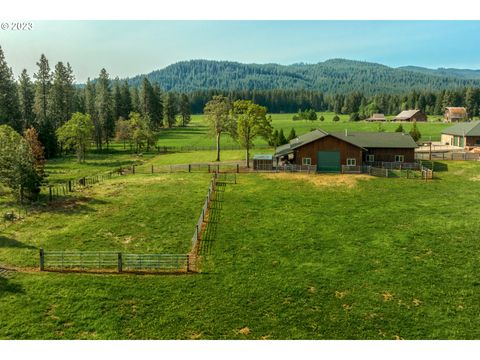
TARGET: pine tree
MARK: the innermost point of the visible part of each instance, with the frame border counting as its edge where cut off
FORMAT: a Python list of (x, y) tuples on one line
[(399, 128), (135, 100), (26, 95), (117, 100), (9, 103), (281, 138), (45, 126), (169, 109), (126, 100), (61, 95), (292, 135), (414, 132), (185, 109), (104, 108)]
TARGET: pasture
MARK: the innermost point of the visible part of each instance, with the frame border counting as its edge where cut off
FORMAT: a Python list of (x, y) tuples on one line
[(295, 257)]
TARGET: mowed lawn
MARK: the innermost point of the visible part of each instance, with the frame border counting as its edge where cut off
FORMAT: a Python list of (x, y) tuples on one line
[(135, 213), (296, 257)]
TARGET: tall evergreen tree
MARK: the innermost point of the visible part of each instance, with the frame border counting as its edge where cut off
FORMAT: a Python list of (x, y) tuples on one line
[(126, 100), (45, 126), (135, 96), (169, 109), (184, 109), (117, 100), (61, 95), (9, 104), (26, 96), (104, 107)]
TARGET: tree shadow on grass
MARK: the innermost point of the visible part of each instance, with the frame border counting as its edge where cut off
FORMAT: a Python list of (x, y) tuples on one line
[(69, 205), (6, 242), (9, 287)]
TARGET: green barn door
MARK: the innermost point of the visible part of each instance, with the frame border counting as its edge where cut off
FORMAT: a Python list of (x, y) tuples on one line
[(462, 141), (328, 161)]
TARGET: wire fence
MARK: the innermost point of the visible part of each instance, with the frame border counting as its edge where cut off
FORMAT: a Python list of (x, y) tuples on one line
[(169, 149)]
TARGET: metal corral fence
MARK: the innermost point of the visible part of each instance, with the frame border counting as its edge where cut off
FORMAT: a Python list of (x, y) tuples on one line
[(114, 261), (61, 190), (286, 168), (417, 171), (187, 168), (447, 156), (117, 261)]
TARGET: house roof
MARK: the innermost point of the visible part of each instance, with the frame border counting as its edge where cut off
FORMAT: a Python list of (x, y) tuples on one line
[(262, 157), (378, 139), (362, 140), (406, 114), (377, 117), (459, 112), (466, 128)]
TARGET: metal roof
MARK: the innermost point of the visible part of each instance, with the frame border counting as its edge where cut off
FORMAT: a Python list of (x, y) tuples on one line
[(406, 114), (262, 157), (362, 140), (457, 112), (465, 128)]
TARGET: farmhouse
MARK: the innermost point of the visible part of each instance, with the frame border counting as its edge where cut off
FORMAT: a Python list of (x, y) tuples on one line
[(411, 115), (329, 151), (466, 134), (453, 114), (377, 117)]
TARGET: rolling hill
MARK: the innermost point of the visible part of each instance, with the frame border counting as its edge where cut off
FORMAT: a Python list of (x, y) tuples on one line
[(331, 76)]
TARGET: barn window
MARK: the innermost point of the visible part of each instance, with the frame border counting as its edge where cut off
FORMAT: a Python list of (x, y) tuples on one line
[(307, 161), (370, 158), (351, 162), (399, 158)]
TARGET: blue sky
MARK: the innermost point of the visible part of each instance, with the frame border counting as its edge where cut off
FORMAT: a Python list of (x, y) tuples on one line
[(127, 48)]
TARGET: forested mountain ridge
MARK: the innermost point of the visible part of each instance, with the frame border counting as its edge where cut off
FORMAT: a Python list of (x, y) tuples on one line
[(332, 76)]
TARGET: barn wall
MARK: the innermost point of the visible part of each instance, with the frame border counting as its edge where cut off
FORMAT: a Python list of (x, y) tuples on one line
[(447, 139), (388, 155), (328, 143)]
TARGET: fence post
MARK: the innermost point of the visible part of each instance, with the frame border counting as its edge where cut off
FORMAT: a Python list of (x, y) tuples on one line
[(386, 173), (50, 192), (133, 169), (42, 259), (119, 262), (70, 185), (238, 168), (189, 167), (208, 168), (152, 169), (198, 232)]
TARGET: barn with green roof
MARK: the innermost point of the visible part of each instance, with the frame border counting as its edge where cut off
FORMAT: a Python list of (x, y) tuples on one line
[(329, 151), (464, 134)]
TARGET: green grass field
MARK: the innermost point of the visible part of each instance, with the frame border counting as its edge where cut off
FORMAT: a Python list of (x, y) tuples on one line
[(296, 257), (139, 213)]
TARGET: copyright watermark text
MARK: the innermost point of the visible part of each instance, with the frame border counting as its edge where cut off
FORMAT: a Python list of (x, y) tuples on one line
[(16, 26)]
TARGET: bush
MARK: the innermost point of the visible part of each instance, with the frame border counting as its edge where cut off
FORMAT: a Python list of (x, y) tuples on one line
[(336, 118)]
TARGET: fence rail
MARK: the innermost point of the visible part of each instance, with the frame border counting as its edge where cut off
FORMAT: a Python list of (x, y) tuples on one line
[(103, 260), (448, 156)]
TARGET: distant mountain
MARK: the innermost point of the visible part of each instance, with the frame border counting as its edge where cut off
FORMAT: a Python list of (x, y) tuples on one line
[(331, 76), (446, 72)]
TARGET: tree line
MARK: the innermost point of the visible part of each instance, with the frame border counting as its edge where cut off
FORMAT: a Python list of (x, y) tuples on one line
[(49, 100)]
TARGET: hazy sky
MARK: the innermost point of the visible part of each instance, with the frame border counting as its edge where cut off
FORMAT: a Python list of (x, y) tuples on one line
[(127, 48)]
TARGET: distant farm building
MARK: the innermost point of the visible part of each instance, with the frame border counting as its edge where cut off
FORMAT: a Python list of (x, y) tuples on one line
[(453, 114), (263, 162), (465, 134), (411, 115), (377, 117), (329, 151)]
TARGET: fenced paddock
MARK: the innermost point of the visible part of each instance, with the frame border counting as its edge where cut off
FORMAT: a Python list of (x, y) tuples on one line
[(108, 261), (392, 170)]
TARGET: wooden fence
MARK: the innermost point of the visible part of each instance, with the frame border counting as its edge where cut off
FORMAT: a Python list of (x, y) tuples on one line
[(166, 149), (186, 168), (408, 172)]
